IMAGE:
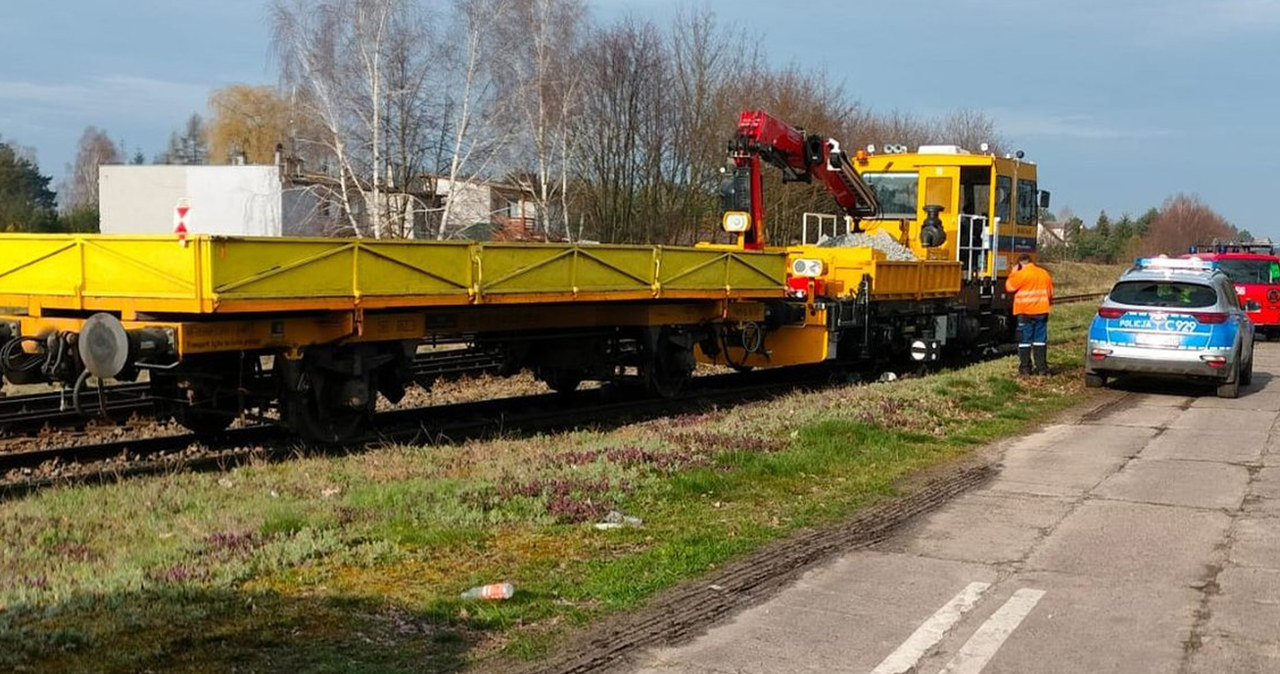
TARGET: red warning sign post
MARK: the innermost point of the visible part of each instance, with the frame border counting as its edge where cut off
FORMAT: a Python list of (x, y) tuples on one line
[(180, 219)]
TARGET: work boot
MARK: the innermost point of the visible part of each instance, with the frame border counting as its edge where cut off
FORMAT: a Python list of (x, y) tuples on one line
[(1024, 360), (1040, 354)]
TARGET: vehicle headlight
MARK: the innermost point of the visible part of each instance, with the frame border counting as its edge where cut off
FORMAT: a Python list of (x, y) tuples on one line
[(807, 267), (736, 221)]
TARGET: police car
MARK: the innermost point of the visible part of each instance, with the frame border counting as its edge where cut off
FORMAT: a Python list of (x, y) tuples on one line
[(1172, 317)]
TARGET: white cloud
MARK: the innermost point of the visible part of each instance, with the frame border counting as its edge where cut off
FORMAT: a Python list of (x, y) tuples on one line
[(108, 94), (1033, 124), (1230, 15), (1157, 22)]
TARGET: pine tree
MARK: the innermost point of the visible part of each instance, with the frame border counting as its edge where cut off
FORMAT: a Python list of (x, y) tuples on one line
[(26, 202), (190, 147)]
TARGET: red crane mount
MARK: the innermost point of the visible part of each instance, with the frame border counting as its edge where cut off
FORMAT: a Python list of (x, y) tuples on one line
[(802, 157)]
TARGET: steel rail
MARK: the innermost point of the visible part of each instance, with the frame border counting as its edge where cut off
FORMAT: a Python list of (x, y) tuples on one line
[(37, 409), (1083, 297)]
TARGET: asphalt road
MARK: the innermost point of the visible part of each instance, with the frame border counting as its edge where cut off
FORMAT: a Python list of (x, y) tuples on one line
[(1144, 537)]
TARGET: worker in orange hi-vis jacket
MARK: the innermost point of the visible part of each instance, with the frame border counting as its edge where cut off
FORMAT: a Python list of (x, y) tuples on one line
[(1033, 290)]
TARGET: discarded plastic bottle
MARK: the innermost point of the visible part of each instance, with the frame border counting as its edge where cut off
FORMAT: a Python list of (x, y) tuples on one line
[(494, 591)]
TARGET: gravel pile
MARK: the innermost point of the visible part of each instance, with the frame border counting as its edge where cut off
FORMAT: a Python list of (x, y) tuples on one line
[(880, 241)]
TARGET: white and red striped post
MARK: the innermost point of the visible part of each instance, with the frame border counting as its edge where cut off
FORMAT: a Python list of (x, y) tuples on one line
[(180, 220)]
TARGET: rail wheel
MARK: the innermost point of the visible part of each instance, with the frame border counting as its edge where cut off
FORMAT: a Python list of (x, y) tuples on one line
[(669, 367), (205, 420), (324, 405), (201, 397), (561, 380)]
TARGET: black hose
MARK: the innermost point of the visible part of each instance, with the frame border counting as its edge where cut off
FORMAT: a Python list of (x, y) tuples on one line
[(53, 358), (7, 355), (102, 399), (75, 392)]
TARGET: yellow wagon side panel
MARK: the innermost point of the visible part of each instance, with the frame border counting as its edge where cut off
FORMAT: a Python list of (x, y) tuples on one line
[(689, 269), (391, 269), (520, 269), (145, 268), (915, 280), (156, 274), (86, 272), (242, 269)]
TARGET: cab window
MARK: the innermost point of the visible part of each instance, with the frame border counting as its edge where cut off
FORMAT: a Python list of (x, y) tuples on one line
[(1004, 194), (896, 193), (1251, 271), (1026, 202), (1165, 294)]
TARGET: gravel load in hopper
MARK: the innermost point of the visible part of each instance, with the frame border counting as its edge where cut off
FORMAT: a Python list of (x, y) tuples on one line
[(880, 241)]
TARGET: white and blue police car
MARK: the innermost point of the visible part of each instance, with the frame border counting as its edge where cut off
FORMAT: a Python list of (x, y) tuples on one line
[(1178, 318)]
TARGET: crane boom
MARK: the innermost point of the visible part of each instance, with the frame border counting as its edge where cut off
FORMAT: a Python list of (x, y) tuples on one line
[(802, 157)]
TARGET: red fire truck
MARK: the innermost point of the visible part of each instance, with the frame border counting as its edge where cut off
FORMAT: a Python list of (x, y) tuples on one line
[(1254, 268)]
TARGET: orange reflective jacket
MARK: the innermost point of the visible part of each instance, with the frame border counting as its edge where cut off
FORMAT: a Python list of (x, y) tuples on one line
[(1034, 290)]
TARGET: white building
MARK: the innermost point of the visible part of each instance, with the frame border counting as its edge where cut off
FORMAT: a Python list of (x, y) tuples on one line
[(231, 200), (257, 201)]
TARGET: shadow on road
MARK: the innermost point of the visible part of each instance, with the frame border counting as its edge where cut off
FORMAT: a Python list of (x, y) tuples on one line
[(1158, 386)]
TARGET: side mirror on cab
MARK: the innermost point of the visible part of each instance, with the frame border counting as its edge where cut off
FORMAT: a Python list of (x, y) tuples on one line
[(1044, 198)]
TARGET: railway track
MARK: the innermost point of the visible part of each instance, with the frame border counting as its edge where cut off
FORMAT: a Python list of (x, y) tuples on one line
[(32, 412), (1074, 299), (35, 411), (26, 471)]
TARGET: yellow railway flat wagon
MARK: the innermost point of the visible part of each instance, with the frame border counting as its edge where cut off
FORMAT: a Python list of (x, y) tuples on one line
[(319, 328), (132, 275)]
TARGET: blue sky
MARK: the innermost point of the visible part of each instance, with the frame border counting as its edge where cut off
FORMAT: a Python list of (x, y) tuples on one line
[(1121, 103)]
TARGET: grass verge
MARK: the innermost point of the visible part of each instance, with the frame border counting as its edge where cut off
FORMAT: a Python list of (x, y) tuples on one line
[(1071, 278), (356, 563)]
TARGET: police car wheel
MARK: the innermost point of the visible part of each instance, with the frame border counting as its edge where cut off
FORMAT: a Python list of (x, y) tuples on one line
[(1231, 389), (1094, 380), (1246, 374)]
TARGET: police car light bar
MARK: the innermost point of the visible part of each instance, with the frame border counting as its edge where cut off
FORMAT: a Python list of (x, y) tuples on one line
[(1184, 264)]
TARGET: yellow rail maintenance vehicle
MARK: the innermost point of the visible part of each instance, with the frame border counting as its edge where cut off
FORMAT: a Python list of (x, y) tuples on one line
[(913, 270), (316, 329)]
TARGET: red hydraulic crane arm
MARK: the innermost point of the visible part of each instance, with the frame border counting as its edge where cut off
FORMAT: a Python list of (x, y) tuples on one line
[(802, 157)]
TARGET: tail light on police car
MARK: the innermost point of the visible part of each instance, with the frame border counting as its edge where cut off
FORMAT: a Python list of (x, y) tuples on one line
[(1210, 317), (1215, 361)]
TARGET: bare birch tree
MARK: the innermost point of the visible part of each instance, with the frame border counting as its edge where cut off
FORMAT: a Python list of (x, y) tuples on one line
[(338, 58), (624, 66), (710, 67), (307, 38), (969, 129), (474, 132), (81, 189), (540, 76)]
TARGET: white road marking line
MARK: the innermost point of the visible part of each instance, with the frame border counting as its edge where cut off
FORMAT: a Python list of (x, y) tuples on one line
[(929, 633), (982, 646)]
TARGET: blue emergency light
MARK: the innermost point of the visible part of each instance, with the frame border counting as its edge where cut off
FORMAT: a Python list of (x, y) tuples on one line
[(1175, 264)]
